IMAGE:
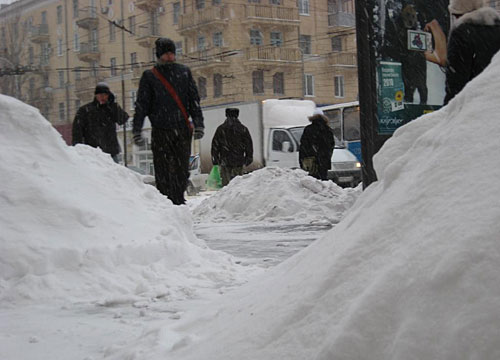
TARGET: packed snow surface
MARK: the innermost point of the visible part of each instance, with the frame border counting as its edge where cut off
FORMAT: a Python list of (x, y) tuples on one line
[(78, 227), (277, 194), (411, 272)]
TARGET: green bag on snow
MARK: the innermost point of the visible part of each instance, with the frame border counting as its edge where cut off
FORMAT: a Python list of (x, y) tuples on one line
[(214, 181)]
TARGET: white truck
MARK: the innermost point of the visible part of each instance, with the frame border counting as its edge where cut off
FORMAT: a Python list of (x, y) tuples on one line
[(276, 127)]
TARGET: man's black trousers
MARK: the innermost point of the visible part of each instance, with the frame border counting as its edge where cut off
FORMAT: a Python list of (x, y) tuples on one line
[(171, 151)]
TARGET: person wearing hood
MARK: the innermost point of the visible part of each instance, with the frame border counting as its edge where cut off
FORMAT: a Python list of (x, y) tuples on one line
[(473, 41), (95, 122), (232, 147), (316, 146), (168, 96)]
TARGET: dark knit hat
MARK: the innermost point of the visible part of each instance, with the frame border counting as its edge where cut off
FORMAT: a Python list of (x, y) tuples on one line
[(164, 45), (102, 88), (232, 112)]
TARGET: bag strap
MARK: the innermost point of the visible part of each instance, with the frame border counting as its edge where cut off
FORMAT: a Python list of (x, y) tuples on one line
[(174, 95)]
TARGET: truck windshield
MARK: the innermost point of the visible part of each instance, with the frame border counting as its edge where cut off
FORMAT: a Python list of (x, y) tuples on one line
[(297, 133)]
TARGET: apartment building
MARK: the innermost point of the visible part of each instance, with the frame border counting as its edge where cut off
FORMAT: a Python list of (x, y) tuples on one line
[(53, 52)]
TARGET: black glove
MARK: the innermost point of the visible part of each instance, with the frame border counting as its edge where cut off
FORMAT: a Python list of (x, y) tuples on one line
[(198, 133), (139, 140)]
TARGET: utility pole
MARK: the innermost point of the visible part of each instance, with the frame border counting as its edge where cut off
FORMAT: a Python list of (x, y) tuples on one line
[(123, 85), (66, 84)]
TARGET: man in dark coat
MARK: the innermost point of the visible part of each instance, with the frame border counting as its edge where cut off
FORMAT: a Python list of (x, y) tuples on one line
[(171, 131), (232, 147), (95, 122), (316, 146), (474, 40)]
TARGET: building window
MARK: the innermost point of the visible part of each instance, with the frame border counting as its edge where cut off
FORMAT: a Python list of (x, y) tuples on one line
[(112, 31), (178, 48), (276, 38), (94, 70), (94, 40), (75, 8), (44, 16), (113, 66), (202, 87), (78, 72), (217, 39), (254, 1), (337, 43), (133, 98), (60, 75), (217, 85), (201, 43), (31, 55), (76, 41), (339, 86), (305, 44), (61, 112), (200, 4), (177, 12), (303, 7), (133, 60), (59, 47), (32, 88), (45, 80), (78, 103), (274, 2), (258, 82), (45, 51), (255, 37), (308, 85), (59, 14), (131, 24), (279, 83)]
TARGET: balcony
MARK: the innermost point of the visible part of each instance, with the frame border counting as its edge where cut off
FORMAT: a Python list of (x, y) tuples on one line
[(209, 58), (343, 59), (147, 5), (87, 18), (272, 15), (214, 15), (273, 54), (147, 35), (341, 20), (40, 34), (89, 52)]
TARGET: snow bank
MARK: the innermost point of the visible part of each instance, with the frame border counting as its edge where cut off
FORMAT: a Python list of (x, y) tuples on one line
[(277, 194), (411, 272), (77, 226)]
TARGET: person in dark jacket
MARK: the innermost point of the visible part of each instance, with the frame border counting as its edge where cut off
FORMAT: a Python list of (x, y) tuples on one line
[(171, 129), (95, 122), (316, 146), (232, 147), (474, 40)]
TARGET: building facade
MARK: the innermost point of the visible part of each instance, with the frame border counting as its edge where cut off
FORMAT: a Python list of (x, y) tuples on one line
[(54, 52)]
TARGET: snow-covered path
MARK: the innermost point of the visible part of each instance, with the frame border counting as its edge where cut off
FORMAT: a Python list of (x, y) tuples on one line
[(263, 244)]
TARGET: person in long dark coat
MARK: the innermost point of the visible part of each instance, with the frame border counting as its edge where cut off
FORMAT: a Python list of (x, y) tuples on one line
[(95, 122), (232, 147), (474, 40), (316, 147), (171, 134)]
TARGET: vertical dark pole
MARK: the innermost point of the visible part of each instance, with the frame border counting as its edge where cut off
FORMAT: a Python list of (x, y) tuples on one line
[(123, 86), (371, 141)]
